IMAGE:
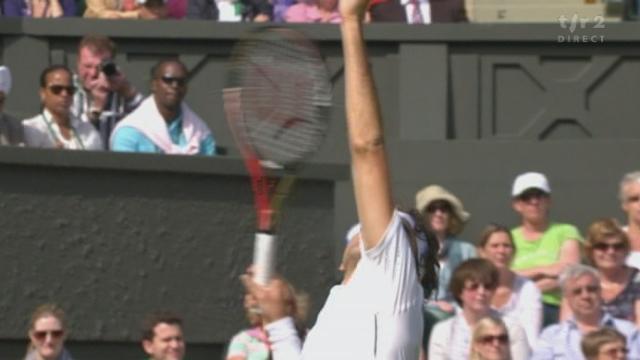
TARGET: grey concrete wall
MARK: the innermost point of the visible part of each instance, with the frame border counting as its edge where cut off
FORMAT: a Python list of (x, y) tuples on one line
[(112, 236), (466, 106)]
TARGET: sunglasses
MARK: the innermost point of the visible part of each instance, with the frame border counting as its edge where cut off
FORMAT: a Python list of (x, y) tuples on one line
[(532, 194), (441, 205), (501, 339), (615, 351), (41, 335), (633, 199), (171, 81), (619, 246), (474, 286), (589, 289), (58, 89)]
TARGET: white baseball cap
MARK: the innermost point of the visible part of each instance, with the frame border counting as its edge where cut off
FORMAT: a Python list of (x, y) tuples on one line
[(530, 180)]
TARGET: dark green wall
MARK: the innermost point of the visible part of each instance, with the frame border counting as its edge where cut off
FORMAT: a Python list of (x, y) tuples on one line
[(111, 237), (466, 106)]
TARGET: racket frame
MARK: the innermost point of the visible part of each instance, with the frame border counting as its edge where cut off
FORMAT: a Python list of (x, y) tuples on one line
[(267, 204)]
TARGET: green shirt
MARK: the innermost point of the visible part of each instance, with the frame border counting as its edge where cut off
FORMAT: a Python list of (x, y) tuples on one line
[(542, 251)]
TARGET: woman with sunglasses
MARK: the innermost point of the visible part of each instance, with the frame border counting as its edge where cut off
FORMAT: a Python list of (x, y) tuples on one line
[(444, 215), (473, 284), (490, 340), (55, 126), (606, 248), (604, 344), (47, 333), (516, 296)]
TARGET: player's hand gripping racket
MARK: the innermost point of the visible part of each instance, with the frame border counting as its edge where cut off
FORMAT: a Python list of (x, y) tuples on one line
[(277, 102)]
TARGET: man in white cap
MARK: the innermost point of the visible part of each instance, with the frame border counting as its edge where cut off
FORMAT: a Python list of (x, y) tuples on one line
[(543, 248), (11, 132)]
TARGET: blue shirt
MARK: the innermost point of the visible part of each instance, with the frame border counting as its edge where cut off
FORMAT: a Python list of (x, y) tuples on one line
[(452, 254), (562, 341), (130, 139)]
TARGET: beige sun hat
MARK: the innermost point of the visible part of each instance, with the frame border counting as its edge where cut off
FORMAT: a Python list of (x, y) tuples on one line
[(431, 193)]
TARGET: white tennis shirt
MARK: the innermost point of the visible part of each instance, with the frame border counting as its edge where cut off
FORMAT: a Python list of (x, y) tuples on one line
[(376, 315)]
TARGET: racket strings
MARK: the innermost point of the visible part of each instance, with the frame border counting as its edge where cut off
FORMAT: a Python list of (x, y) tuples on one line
[(287, 96), (277, 101)]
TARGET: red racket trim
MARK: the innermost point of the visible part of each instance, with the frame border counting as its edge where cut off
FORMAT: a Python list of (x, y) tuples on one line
[(261, 187), (259, 181)]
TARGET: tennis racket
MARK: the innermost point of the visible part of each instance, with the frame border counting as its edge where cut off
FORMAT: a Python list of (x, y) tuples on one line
[(277, 102)]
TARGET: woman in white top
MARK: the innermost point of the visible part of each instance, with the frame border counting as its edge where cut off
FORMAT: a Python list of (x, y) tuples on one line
[(473, 284), (55, 126), (377, 312), (515, 296)]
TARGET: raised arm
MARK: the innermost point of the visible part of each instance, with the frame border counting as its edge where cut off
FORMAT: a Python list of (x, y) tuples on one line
[(370, 170)]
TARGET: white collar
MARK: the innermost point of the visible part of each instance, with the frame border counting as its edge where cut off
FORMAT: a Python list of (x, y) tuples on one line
[(73, 121), (405, 2)]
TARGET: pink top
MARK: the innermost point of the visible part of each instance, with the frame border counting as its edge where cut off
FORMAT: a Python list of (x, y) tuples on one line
[(176, 9), (309, 13)]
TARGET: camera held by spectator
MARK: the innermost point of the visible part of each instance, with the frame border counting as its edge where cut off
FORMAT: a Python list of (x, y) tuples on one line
[(109, 68)]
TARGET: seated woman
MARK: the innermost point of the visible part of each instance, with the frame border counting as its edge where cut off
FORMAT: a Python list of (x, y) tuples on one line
[(473, 284), (56, 127), (516, 297), (313, 11), (127, 9), (490, 340), (443, 214), (253, 343), (47, 333), (39, 8), (604, 344), (606, 248)]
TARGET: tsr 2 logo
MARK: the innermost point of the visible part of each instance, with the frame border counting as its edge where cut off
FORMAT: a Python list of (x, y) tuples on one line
[(575, 22)]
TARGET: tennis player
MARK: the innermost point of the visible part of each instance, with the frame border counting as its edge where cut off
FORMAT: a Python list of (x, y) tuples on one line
[(377, 312)]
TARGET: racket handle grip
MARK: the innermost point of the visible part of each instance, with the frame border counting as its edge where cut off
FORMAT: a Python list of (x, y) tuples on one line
[(264, 258)]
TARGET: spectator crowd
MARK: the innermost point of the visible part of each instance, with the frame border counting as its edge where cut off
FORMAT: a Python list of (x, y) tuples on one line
[(97, 108), (547, 292), (298, 11), (289, 11), (538, 290)]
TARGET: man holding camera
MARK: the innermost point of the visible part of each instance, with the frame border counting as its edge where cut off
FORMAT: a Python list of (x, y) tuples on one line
[(105, 95)]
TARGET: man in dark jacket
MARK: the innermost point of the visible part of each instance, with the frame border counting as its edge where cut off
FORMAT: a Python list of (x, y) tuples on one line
[(418, 11)]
